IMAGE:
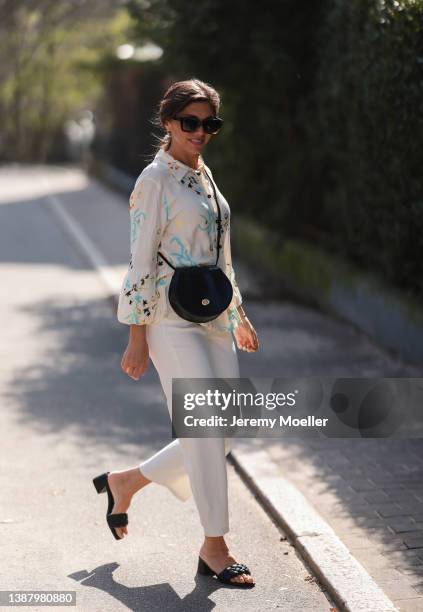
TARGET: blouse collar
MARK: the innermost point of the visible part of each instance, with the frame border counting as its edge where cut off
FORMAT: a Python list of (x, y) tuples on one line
[(176, 167)]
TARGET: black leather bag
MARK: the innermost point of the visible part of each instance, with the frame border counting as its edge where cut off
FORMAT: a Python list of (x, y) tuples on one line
[(201, 293)]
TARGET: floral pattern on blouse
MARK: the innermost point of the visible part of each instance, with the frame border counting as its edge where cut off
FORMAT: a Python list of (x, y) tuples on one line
[(172, 210)]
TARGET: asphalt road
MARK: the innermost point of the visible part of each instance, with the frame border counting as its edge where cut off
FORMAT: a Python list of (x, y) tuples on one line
[(68, 413)]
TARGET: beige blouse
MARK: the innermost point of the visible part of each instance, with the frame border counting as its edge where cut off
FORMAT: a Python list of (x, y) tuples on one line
[(172, 210)]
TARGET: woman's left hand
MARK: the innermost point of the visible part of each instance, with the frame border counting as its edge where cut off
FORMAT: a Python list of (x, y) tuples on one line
[(245, 336)]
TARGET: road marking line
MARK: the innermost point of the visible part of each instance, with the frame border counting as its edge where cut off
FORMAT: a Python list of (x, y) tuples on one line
[(85, 244)]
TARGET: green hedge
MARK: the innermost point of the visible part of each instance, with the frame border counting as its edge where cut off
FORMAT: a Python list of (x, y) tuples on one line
[(367, 135)]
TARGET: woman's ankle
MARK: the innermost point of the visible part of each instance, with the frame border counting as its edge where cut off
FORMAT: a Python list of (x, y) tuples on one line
[(214, 545), (134, 480), (137, 479)]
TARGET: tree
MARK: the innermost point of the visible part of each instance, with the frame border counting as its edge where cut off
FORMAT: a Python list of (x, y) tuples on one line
[(51, 52)]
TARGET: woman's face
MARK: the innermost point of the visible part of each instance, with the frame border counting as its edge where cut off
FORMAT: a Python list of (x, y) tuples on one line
[(191, 142)]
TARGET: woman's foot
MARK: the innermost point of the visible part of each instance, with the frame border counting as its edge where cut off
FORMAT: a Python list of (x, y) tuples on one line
[(215, 553), (123, 485)]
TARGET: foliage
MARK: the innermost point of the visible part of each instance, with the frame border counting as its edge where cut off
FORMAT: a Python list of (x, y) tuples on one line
[(368, 132), (53, 51)]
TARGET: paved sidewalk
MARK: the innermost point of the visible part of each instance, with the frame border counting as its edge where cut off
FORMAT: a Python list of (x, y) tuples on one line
[(369, 491)]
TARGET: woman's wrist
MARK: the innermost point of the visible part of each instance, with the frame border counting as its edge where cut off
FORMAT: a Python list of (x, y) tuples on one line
[(137, 333), (241, 312)]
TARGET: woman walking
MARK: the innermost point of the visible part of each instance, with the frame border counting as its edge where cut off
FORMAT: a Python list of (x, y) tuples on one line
[(172, 210)]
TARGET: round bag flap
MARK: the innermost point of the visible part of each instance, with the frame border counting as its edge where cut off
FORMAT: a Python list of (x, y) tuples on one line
[(203, 292)]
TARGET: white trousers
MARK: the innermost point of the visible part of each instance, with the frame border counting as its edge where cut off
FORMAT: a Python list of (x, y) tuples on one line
[(197, 466)]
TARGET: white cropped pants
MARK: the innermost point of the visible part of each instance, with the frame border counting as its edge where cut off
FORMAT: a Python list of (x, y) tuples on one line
[(181, 349)]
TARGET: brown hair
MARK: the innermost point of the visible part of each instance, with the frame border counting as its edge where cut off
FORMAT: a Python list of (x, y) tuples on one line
[(179, 95)]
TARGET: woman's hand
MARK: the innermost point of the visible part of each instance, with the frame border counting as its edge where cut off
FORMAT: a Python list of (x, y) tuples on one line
[(135, 358), (245, 336)]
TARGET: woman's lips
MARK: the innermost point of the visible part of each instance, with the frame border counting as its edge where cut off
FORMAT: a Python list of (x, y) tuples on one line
[(196, 141)]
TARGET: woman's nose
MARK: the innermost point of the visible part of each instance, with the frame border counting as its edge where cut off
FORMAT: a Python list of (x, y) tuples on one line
[(200, 130)]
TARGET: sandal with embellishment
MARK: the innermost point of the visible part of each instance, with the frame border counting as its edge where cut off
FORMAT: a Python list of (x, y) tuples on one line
[(226, 574), (119, 519)]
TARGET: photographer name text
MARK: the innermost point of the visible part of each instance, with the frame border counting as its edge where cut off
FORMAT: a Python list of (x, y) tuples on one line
[(270, 422)]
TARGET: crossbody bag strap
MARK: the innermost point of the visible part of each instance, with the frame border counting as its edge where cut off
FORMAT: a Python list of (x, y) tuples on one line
[(218, 223), (219, 219), (166, 260)]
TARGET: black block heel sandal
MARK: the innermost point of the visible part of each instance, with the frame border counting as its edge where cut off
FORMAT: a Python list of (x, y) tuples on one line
[(226, 574), (119, 519)]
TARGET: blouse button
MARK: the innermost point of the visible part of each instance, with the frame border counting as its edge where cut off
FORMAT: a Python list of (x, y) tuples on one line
[(208, 195)]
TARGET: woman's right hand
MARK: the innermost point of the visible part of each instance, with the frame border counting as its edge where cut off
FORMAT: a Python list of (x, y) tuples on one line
[(135, 358)]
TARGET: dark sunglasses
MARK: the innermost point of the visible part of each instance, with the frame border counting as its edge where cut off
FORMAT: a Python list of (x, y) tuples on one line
[(191, 123)]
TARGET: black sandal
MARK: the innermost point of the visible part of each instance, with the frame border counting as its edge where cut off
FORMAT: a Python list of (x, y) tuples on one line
[(119, 519), (226, 574)]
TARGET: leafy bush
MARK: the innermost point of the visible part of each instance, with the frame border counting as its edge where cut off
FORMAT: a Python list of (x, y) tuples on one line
[(367, 134)]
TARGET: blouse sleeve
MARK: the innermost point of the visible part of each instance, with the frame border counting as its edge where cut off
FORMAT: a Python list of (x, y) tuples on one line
[(139, 296), (230, 273)]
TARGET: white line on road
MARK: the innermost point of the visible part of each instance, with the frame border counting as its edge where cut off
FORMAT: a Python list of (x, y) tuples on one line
[(84, 243)]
